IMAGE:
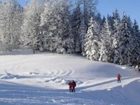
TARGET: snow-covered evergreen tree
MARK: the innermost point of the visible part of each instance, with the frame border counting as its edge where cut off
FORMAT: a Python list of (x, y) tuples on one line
[(106, 43), (76, 21), (56, 28), (135, 56), (92, 43), (125, 38), (114, 22), (89, 9), (31, 25), (10, 24)]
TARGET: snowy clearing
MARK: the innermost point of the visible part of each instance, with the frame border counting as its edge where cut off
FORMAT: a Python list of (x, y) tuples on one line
[(41, 79)]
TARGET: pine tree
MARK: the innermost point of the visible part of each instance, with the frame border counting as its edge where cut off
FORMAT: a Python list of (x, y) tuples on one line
[(92, 43), (114, 22), (30, 28), (106, 43), (76, 21), (10, 24), (67, 36), (98, 18), (89, 10), (135, 58), (56, 28), (125, 39)]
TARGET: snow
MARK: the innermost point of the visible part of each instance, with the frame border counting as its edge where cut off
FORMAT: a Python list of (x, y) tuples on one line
[(41, 79)]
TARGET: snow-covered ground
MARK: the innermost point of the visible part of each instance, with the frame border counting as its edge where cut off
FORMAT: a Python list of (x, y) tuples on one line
[(41, 79)]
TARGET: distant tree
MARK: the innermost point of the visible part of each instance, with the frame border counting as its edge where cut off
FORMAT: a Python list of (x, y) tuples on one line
[(106, 43), (135, 56), (56, 28), (89, 7), (114, 23), (98, 18), (76, 22), (125, 38), (31, 25), (10, 24)]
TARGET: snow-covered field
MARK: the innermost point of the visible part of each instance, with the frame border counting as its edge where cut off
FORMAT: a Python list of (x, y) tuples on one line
[(41, 79)]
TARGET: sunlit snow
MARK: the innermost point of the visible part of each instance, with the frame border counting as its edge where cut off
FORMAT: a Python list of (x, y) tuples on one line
[(41, 79)]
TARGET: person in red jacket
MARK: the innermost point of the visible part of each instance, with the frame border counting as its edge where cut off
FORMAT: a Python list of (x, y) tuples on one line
[(119, 78), (70, 86), (73, 86)]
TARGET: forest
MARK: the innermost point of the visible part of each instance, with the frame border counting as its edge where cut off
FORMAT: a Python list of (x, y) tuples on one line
[(66, 27)]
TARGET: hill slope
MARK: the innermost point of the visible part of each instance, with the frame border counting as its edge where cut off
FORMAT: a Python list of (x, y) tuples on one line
[(41, 79)]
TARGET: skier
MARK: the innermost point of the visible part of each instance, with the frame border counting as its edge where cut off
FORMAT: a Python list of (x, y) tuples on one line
[(119, 78), (70, 86), (73, 86)]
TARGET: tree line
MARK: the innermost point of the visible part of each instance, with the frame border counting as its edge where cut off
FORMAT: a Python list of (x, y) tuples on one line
[(63, 26)]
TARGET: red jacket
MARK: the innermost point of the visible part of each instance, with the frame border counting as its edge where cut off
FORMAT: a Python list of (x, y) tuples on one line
[(118, 77), (73, 83)]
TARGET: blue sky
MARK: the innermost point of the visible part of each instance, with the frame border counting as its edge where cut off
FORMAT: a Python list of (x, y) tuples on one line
[(130, 7), (22, 2)]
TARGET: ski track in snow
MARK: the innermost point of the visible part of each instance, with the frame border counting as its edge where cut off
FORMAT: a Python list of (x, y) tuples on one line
[(41, 79)]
